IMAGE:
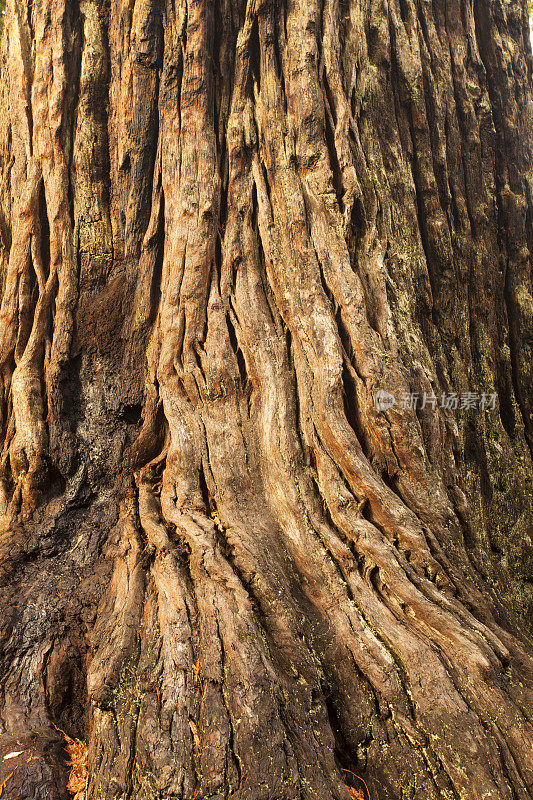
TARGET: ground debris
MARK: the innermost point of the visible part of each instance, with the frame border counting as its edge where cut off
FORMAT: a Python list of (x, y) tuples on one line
[(78, 763)]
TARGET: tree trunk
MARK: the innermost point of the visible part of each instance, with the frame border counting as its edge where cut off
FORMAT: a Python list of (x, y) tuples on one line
[(225, 226)]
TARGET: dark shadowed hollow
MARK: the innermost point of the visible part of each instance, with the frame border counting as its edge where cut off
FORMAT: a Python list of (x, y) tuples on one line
[(224, 226)]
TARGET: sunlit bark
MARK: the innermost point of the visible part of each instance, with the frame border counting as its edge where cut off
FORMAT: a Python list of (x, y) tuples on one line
[(225, 226)]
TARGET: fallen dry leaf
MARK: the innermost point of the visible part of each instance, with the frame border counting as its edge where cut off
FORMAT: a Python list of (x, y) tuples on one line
[(356, 794), (79, 772), (79, 769), (195, 734)]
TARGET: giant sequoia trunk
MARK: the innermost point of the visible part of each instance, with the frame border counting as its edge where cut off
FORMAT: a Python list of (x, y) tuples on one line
[(225, 225)]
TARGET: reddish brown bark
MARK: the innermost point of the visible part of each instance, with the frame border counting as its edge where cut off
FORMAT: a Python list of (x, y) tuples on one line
[(225, 226)]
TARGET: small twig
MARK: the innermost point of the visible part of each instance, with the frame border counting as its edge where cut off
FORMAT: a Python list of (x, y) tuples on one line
[(2, 785)]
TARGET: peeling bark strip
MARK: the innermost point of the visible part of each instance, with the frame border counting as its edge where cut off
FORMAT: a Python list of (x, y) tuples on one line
[(224, 227)]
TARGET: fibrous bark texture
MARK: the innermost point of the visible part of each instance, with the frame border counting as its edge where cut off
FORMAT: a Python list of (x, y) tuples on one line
[(225, 225)]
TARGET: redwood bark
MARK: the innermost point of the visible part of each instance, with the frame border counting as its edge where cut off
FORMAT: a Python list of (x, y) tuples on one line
[(225, 225)]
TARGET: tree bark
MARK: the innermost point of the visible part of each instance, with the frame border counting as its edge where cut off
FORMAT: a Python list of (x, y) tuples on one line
[(224, 227)]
